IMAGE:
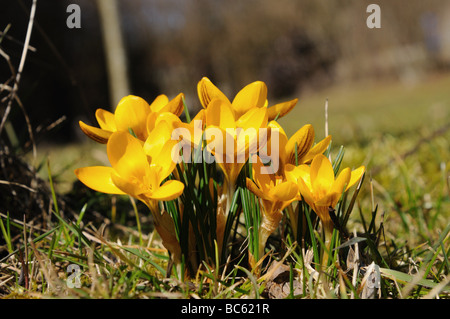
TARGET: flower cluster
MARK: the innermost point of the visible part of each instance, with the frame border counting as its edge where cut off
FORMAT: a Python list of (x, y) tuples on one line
[(158, 159)]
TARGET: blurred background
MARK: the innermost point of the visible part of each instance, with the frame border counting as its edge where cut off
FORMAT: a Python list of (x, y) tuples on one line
[(296, 47), (377, 81)]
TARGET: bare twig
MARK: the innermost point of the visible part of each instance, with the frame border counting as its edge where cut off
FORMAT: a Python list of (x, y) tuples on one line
[(18, 185), (13, 93), (12, 39)]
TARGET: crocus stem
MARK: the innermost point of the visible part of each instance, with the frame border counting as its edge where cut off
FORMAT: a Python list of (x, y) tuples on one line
[(268, 226), (328, 234), (222, 214), (166, 229), (231, 187)]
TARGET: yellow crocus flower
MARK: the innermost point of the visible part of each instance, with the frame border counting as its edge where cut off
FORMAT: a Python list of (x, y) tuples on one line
[(252, 95), (299, 148), (131, 113), (275, 193), (234, 139), (320, 188), (232, 142), (139, 169)]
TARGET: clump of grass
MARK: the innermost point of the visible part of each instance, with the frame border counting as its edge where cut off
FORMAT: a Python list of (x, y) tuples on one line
[(74, 258)]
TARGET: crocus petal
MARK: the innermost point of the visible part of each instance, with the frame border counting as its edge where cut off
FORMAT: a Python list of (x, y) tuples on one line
[(341, 181), (207, 92), (98, 178), (319, 148), (322, 174), (131, 113), (274, 125), (251, 131), (200, 116), (95, 133), (281, 109), (219, 113), (157, 138), (329, 200), (290, 171), (169, 190), (165, 159), (155, 118), (255, 190), (159, 103), (126, 155), (167, 117), (216, 141), (247, 141), (283, 192), (175, 106), (106, 120), (151, 122), (252, 95), (306, 193), (264, 180), (185, 133), (294, 173), (356, 176), (255, 117), (304, 172), (276, 143), (303, 138), (132, 187)]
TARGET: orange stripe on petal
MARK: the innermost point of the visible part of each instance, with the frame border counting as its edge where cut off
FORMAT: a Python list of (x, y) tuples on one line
[(175, 106), (207, 92), (304, 139), (97, 134), (281, 109)]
